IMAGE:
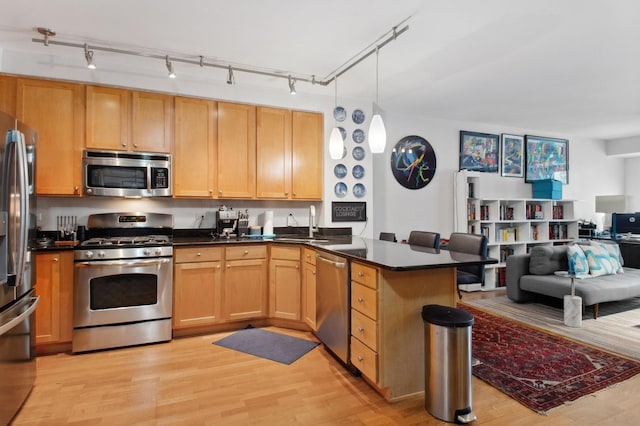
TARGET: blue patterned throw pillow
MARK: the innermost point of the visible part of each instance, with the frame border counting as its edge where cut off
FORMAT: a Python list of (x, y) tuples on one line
[(599, 259), (614, 252), (577, 256)]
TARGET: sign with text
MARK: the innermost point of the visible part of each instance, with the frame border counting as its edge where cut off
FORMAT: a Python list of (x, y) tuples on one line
[(345, 211)]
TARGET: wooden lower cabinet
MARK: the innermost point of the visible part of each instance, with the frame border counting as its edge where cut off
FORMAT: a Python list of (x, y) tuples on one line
[(197, 288), (284, 283), (364, 325), (54, 285), (309, 287), (245, 282)]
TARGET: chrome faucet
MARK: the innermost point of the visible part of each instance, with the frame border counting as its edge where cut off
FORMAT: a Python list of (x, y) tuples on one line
[(312, 219)]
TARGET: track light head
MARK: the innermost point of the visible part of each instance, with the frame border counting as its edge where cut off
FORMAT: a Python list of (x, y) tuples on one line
[(292, 85), (170, 68), (88, 55), (230, 77)]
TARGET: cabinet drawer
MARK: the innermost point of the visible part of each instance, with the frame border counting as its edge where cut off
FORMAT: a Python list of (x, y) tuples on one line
[(365, 300), (364, 359), (246, 252), (309, 256), (366, 275), (285, 253), (365, 329), (197, 254)]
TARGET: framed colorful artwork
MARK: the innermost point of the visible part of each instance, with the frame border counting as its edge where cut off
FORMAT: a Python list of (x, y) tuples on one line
[(413, 162), (479, 152), (546, 158), (512, 158)]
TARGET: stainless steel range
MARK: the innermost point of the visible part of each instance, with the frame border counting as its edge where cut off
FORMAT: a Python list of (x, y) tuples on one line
[(123, 281)]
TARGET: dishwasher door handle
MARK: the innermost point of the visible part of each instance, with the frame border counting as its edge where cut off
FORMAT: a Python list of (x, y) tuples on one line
[(336, 264)]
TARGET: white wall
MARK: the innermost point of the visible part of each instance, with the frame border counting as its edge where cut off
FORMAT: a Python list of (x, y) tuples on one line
[(632, 180)]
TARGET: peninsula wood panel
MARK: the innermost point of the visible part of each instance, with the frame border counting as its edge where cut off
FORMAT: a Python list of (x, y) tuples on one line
[(56, 111), (194, 158), (236, 156), (273, 159), (108, 116)]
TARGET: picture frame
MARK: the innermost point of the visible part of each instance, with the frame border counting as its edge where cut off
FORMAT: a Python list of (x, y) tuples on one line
[(479, 152), (512, 158), (546, 158)]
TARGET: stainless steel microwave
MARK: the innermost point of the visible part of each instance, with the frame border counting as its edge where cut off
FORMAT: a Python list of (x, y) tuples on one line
[(126, 174)]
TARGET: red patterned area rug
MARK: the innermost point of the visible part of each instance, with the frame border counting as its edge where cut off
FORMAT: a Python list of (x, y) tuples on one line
[(539, 370)]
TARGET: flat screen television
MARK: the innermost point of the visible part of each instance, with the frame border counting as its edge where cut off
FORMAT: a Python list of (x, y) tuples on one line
[(625, 223)]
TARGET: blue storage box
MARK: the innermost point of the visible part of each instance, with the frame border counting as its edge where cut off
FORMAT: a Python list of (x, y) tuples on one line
[(547, 188)]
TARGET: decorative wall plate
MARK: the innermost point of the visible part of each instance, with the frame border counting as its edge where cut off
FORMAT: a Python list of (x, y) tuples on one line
[(339, 113), (340, 189), (340, 170), (357, 116), (413, 162), (358, 135), (357, 171), (359, 190), (358, 153)]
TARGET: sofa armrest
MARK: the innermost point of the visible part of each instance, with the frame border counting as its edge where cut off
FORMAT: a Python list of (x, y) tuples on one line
[(517, 266)]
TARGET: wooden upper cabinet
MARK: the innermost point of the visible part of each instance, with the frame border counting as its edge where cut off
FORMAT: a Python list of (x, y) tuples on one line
[(307, 147), (151, 122), (273, 168), (8, 94), (108, 114), (236, 154), (194, 173), (56, 111)]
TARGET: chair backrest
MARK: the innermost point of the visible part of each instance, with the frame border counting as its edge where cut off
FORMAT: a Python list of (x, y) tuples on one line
[(424, 239), (388, 236), (471, 244)]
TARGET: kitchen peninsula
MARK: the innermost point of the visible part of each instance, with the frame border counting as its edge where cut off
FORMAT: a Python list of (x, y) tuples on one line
[(389, 284)]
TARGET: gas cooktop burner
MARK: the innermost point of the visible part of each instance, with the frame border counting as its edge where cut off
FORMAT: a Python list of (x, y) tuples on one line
[(145, 240)]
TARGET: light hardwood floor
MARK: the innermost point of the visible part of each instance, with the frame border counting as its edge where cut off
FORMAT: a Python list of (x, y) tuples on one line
[(189, 381)]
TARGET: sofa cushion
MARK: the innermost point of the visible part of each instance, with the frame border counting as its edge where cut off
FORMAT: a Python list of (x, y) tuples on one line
[(614, 252), (576, 255), (545, 260), (600, 262)]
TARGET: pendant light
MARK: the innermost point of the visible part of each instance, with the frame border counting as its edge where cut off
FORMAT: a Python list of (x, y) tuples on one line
[(336, 143), (377, 131)]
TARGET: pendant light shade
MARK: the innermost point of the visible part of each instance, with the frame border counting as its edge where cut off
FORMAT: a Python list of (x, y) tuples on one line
[(377, 135), (336, 144)]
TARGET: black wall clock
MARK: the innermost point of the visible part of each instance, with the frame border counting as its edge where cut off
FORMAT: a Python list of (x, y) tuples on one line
[(413, 162)]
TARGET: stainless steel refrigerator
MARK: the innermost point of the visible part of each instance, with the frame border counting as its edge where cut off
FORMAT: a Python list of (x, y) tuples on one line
[(17, 295)]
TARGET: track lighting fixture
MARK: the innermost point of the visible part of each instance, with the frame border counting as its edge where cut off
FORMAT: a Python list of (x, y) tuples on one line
[(230, 77), (292, 85), (88, 55), (377, 131), (170, 68), (336, 143)]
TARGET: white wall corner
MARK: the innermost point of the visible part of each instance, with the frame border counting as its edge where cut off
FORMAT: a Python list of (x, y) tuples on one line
[(623, 147)]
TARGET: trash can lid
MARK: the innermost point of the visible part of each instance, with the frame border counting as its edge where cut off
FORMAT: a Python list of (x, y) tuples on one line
[(446, 316)]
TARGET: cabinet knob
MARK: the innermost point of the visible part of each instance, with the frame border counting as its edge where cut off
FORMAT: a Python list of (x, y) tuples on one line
[(286, 193), (217, 266), (360, 299), (294, 194), (246, 252), (297, 266), (228, 265), (211, 191), (360, 358), (76, 189), (314, 272), (124, 145), (220, 192), (135, 145), (361, 274), (198, 254), (361, 329), (55, 259)]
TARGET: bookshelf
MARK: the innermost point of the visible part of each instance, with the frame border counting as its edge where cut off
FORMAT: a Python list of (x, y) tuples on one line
[(512, 225)]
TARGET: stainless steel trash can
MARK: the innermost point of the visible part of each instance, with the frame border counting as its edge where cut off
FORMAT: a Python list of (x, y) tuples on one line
[(447, 356)]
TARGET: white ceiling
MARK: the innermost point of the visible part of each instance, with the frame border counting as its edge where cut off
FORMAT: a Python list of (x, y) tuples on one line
[(562, 66)]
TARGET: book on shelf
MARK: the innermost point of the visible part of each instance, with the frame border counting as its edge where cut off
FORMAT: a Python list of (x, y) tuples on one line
[(507, 235), (504, 253), (557, 212), (484, 230), (534, 211), (471, 211), (535, 232), (484, 212), (558, 231), (501, 277), (506, 213)]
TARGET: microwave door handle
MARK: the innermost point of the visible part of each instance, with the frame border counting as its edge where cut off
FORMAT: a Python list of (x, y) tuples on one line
[(149, 168)]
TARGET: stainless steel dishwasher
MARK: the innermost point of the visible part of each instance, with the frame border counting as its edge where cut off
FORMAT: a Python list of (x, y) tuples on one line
[(332, 304)]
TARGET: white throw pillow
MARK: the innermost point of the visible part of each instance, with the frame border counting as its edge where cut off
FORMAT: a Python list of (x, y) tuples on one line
[(614, 252), (575, 253), (599, 259)]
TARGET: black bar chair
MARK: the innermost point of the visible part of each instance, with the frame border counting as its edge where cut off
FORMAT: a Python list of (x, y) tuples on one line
[(388, 236), (424, 239), (472, 244)]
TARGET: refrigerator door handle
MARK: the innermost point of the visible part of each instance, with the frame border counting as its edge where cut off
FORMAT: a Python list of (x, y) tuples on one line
[(33, 304)]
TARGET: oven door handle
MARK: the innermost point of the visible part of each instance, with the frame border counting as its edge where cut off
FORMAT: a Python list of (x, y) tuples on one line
[(133, 263)]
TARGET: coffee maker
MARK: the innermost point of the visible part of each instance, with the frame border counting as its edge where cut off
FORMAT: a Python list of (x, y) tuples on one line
[(226, 222)]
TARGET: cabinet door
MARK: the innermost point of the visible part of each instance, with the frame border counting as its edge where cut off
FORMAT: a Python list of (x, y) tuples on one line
[(108, 113), (54, 285), (245, 289), (309, 294), (8, 95), (55, 111), (194, 151), (196, 294), (273, 168), (307, 155), (152, 121), (284, 289), (236, 159)]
